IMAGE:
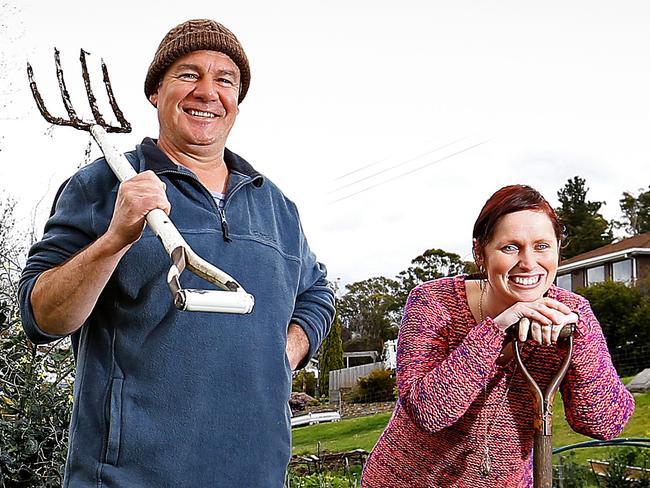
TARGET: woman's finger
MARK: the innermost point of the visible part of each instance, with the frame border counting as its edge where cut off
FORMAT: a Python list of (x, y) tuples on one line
[(556, 305), (556, 333), (524, 327), (547, 332), (536, 332)]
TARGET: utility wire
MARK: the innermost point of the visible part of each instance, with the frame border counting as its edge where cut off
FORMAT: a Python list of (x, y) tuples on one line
[(360, 169), (410, 172), (426, 153)]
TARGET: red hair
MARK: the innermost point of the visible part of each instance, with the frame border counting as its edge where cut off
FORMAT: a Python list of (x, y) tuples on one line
[(509, 199)]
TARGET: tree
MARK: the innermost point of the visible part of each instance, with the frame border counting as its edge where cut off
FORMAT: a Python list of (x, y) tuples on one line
[(371, 310), (624, 315), (430, 265), (369, 313), (331, 355), (35, 383), (586, 229), (636, 212)]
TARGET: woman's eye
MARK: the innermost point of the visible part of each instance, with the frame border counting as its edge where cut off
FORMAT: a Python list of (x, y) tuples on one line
[(542, 246), (509, 248)]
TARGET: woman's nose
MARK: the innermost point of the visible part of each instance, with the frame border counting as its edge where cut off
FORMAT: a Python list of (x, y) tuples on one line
[(526, 259)]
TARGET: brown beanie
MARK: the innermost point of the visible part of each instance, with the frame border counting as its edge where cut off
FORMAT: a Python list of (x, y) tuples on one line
[(197, 35)]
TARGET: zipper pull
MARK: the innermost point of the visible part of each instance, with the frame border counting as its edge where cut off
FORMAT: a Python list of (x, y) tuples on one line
[(224, 225)]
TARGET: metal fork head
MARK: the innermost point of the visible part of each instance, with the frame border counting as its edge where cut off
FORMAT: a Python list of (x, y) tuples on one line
[(73, 119)]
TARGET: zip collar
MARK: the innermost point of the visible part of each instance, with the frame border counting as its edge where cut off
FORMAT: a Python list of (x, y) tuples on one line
[(152, 158)]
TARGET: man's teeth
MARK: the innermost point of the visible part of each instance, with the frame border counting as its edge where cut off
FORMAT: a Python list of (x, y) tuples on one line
[(199, 113), (520, 280)]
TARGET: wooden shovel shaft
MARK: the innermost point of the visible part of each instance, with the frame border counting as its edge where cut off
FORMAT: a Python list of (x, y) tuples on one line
[(543, 461)]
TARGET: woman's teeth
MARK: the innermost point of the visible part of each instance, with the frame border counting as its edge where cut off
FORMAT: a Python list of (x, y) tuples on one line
[(522, 280)]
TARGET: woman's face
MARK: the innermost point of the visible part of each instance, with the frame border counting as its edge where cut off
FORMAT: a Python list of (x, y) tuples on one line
[(521, 259)]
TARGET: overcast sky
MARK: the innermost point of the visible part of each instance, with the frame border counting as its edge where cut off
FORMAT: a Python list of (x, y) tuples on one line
[(388, 123)]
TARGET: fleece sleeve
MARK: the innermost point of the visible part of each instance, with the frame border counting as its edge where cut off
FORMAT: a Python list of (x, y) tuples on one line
[(69, 229), (596, 403), (314, 307)]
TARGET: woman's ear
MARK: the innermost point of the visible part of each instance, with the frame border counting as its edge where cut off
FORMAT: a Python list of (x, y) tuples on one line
[(476, 253)]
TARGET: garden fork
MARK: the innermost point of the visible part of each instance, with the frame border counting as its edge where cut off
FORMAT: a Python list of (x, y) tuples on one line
[(543, 409), (232, 298)]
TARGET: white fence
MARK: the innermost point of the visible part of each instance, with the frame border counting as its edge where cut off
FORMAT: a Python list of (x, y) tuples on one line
[(347, 378)]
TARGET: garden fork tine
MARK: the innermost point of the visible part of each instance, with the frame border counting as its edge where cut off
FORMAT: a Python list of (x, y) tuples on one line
[(233, 298), (125, 126), (73, 120), (65, 95)]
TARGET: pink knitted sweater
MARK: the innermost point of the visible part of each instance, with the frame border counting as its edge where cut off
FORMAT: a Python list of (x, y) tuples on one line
[(451, 392)]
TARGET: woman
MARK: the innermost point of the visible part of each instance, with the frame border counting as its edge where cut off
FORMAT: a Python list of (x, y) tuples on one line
[(464, 417)]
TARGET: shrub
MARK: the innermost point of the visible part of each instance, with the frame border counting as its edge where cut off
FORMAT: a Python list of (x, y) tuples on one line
[(378, 386), (572, 474), (616, 472), (304, 382)]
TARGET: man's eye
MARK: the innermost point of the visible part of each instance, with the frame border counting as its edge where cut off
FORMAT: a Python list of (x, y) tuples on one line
[(509, 248), (188, 76), (226, 81), (542, 246)]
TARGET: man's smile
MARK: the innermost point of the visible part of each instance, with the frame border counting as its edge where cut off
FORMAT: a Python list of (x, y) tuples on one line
[(200, 113)]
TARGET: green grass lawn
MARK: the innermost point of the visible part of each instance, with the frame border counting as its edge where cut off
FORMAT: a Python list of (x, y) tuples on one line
[(345, 435), (362, 433), (638, 426)]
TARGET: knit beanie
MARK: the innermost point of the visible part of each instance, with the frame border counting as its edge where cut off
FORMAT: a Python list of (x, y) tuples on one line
[(197, 35)]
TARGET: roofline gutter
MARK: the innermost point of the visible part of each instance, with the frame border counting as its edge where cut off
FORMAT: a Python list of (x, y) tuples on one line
[(625, 253)]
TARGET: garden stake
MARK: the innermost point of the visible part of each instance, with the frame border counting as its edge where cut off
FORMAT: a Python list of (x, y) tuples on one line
[(232, 298), (543, 408)]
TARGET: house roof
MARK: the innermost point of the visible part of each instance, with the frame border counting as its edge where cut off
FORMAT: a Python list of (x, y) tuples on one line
[(636, 244)]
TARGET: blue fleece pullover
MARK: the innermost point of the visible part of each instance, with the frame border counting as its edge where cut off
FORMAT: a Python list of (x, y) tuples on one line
[(164, 398)]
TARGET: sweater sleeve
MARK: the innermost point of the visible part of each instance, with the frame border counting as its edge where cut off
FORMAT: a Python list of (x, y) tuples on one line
[(437, 385), (314, 306), (596, 402), (68, 230)]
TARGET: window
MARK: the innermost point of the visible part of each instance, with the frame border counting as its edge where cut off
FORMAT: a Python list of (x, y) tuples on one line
[(564, 281), (595, 275), (622, 271)]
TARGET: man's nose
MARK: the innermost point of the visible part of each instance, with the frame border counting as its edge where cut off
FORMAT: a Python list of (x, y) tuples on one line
[(206, 89)]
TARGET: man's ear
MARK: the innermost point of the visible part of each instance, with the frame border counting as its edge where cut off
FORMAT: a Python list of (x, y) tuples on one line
[(153, 98)]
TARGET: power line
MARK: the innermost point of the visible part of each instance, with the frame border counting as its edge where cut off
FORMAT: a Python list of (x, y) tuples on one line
[(410, 172), (426, 153), (360, 169)]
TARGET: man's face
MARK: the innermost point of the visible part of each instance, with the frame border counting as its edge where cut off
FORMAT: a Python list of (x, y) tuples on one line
[(197, 101)]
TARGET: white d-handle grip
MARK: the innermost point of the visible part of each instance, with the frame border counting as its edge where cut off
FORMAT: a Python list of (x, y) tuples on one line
[(217, 301)]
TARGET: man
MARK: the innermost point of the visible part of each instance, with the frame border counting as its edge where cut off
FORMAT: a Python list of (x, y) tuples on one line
[(165, 398)]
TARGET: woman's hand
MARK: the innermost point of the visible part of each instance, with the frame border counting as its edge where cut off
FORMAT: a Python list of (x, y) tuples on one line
[(543, 318)]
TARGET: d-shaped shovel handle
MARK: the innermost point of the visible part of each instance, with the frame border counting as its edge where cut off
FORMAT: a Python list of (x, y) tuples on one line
[(232, 298), (543, 406)]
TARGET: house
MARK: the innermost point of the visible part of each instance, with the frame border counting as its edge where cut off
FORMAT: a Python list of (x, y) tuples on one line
[(626, 261)]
